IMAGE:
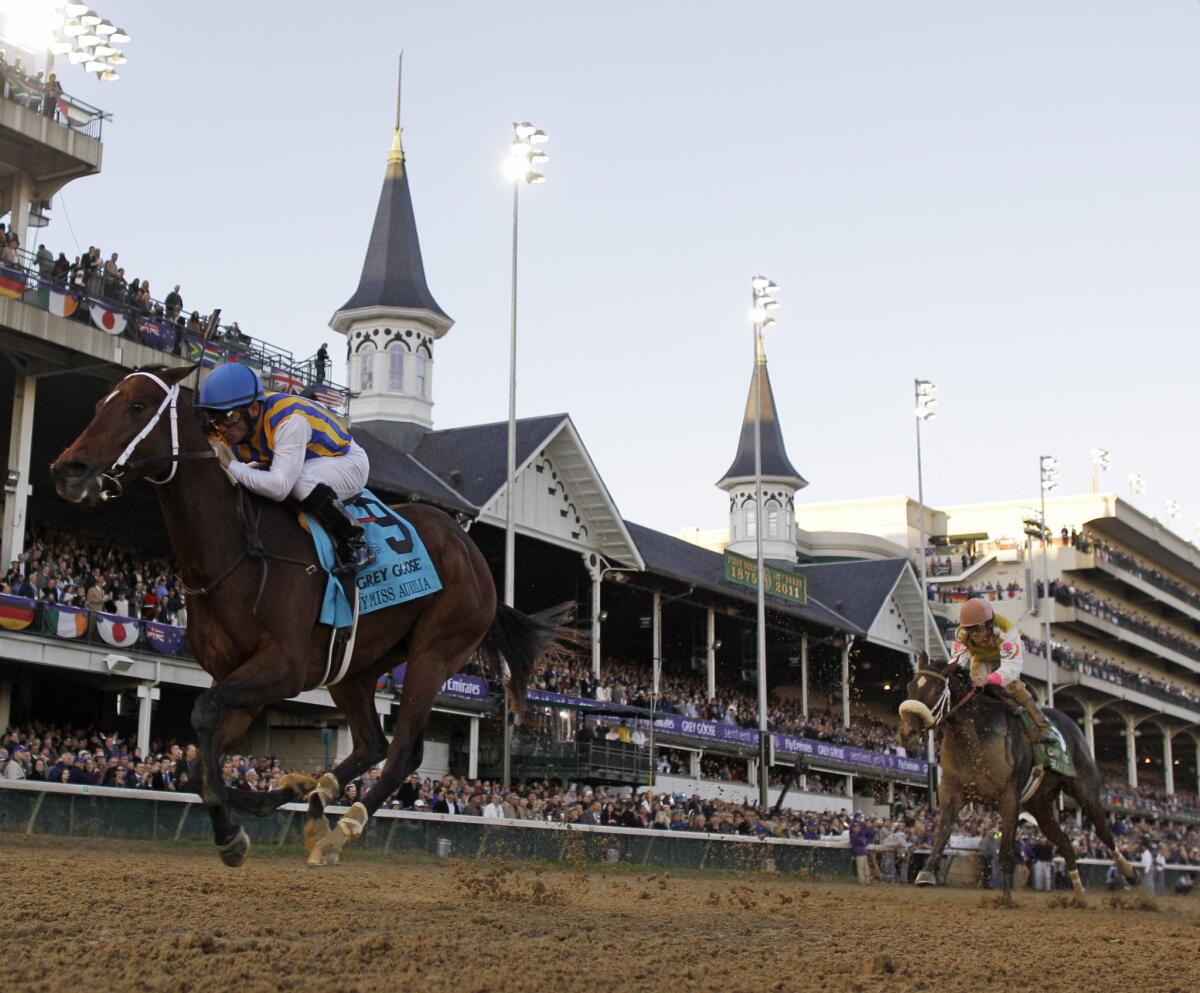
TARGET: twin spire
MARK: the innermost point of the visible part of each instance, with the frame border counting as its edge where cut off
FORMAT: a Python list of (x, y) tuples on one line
[(393, 273)]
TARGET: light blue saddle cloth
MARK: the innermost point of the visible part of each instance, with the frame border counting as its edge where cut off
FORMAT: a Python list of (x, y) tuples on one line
[(402, 569)]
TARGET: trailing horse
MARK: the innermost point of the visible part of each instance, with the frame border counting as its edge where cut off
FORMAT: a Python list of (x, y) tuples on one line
[(986, 758), (262, 643)]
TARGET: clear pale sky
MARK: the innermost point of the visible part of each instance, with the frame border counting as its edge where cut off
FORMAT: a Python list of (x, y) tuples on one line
[(998, 196)]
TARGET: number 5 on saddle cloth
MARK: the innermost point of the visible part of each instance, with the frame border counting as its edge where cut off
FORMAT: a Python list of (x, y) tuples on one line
[(402, 571)]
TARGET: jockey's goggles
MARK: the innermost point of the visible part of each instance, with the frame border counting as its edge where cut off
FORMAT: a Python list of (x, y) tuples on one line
[(213, 419)]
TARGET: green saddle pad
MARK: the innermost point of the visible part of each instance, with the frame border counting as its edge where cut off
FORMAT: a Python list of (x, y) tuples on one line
[(1057, 757)]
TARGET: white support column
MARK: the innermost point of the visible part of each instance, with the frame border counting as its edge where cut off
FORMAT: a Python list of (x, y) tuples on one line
[(891, 799), (343, 744), (1089, 727), (656, 634), (850, 790), (5, 705), (20, 451), (1196, 742), (473, 750), (1130, 751), (1168, 761), (712, 653), (596, 583), (846, 680), (147, 694), (22, 193), (804, 675), (694, 765), (752, 770)]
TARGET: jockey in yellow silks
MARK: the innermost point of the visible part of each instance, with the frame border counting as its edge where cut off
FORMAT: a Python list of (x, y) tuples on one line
[(991, 650), (289, 446)]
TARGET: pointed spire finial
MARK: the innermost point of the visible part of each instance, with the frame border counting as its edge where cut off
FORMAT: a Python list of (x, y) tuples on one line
[(396, 154), (760, 353)]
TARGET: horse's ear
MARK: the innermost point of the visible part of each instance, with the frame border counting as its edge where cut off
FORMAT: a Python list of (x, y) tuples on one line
[(178, 374)]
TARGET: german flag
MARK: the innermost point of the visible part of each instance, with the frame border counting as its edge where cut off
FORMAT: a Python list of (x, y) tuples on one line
[(16, 612), (12, 283)]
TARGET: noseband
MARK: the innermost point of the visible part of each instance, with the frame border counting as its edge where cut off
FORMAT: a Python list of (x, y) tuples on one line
[(112, 477)]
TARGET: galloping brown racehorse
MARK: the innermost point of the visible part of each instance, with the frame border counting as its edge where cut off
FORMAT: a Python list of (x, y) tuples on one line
[(262, 646), (986, 758)]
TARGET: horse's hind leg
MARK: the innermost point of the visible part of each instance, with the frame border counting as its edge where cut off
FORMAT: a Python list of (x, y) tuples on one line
[(1010, 807), (1087, 795), (356, 699), (1043, 811)]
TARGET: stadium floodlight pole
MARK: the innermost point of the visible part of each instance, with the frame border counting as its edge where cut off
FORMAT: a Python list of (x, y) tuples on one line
[(523, 156), (923, 391), (762, 299), (1137, 484), (1048, 465), (1101, 462)]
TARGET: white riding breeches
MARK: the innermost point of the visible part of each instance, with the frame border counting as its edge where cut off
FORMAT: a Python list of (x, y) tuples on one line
[(345, 474)]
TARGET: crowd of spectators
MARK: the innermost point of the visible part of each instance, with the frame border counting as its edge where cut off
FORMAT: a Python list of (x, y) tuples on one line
[(99, 576), (40, 751), (37, 91), (1118, 615), (46, 752), (1106, 552), (986, 591), (1091, 663), (685, 694)]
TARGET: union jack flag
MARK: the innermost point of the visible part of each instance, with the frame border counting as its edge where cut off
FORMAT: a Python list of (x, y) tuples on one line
[(285, 381)]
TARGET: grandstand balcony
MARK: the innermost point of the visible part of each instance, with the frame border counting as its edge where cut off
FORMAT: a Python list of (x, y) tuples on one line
[(1141, 590), (40, 153), (1136, 639)]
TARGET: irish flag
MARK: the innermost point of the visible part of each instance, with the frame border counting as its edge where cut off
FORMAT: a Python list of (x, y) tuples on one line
[(12, 283), (109, 321), (64, 621), (120, 632), (16, 612), (56, 299)]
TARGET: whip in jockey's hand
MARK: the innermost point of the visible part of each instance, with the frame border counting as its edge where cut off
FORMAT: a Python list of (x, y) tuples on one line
[(287, 446)]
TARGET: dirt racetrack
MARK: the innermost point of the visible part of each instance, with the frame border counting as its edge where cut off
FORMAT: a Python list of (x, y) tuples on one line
[(114, 917)]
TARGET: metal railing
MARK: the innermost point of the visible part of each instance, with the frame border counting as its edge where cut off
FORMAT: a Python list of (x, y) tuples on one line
[(70, 112), (150, 322)]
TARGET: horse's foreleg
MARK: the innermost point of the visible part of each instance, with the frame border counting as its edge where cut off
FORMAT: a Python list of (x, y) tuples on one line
[(1010, 807), (262, 679), (356, 699), (1048, 822), (949, 802)]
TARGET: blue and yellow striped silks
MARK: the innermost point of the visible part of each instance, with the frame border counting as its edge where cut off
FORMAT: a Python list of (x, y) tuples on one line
[(329, 438)]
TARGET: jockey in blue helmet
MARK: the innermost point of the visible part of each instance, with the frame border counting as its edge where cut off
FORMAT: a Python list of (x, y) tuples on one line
[(289, 446)]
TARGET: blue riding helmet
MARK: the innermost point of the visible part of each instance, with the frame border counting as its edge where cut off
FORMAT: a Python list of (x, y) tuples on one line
[(230, 385)]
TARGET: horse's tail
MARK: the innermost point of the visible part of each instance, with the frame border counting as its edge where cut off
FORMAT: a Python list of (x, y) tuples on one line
[(523, 640)]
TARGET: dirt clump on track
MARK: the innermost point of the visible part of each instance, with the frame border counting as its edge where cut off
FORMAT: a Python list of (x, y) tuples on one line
[(114, 917)]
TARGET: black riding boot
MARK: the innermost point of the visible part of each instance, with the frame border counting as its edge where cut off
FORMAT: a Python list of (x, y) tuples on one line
[(350, 546)]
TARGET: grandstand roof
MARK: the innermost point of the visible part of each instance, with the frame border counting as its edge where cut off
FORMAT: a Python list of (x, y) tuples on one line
[(699, 567), (393, 274), (775, 461), (856, 590), (474, 459)]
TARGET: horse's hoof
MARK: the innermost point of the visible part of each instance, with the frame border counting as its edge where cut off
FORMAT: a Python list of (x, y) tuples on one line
[(328, 853), (316, 833), (233, 853), (925, 878)]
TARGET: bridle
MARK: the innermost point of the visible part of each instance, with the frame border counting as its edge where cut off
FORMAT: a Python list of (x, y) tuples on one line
[(941, 710), (112, 476)]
